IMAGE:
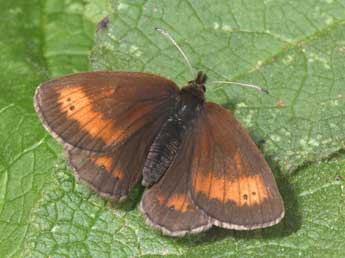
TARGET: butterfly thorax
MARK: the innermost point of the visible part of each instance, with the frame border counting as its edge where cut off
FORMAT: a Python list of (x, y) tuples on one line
[(168, 140)]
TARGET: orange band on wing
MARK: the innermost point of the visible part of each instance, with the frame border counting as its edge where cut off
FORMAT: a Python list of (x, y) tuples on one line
[(160, 199), (103, 161), (78, 107), (107, 162), (179, 202), (117, 173), (246, 190)]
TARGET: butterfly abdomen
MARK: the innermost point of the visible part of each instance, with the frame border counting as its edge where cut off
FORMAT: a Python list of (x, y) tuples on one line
[(163, 150)]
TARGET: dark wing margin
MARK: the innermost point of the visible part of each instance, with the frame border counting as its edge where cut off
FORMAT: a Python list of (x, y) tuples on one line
[(230, 179), (96, 111), (167, 206)]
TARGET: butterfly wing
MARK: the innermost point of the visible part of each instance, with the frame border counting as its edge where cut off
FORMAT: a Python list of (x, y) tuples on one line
[(114, 174), (167, 205), (97, 111), (230, 180)]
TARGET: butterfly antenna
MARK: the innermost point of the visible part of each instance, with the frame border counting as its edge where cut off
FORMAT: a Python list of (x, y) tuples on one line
[(173, 41), (246, 85)]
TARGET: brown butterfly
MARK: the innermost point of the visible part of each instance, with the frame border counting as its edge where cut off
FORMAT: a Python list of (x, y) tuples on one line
[(200, 167)]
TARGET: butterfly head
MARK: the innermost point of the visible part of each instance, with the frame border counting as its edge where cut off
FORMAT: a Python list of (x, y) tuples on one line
[(196, 88), (199, 82)]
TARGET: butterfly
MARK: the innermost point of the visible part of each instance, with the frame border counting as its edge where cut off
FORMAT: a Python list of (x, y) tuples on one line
[(198, 164)]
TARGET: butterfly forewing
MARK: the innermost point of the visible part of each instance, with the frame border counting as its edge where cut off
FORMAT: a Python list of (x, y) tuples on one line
[(98, 110), (230, 180)]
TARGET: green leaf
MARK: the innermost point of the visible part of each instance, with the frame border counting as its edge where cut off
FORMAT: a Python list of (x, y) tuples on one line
[(70, 221), (39, 39), (293, 48)]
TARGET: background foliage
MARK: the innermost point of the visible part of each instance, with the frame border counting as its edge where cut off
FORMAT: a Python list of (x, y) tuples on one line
[(295, 49)]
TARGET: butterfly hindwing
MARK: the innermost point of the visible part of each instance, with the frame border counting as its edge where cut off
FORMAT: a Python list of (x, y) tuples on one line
[(96, 111), (230, 180), (167, 205)]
